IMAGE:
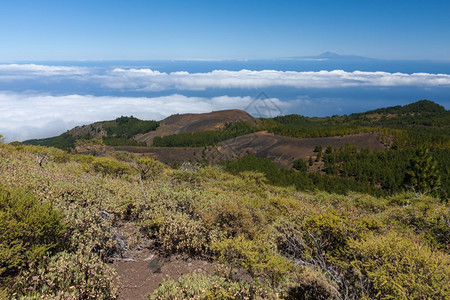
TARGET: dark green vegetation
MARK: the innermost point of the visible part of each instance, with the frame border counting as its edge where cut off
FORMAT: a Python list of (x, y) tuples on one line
[(205, 138), (300, 165), (410, 168), (377, 173), (61, 216), (65, 141), (128, 127), (119, 132), (420, 122), (302, 180)]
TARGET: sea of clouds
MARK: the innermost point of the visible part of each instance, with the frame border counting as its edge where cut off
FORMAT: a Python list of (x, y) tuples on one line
[(26, 116), (153, 80), (34, 103)]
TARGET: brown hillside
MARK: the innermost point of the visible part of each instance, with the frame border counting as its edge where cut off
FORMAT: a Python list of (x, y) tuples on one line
[(284, 150), (96, 130), (280, 149), (196, 122)]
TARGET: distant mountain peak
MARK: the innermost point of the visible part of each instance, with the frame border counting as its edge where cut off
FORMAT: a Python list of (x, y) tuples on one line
[(328, 55)]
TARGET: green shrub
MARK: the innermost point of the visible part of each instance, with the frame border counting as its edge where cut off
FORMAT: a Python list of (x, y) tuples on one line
[(122, 156), (256, 257), (231, 216), (201, 286), (288, 239), (148, 167), (425, 216), (28, 229), (46, 153), (78, 275), (182, 176), (367, 203), (166, 200), (289, 207), (108, 166), (180, 233), (330, 234), (326, 239), (89, 229), (326, 233), (398, 268), (254, 178), (309, 284)]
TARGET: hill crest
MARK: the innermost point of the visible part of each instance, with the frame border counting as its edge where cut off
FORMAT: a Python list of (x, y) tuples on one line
[(187, 123)]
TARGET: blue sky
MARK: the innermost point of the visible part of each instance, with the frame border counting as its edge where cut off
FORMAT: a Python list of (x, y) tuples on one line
[(132, 29)]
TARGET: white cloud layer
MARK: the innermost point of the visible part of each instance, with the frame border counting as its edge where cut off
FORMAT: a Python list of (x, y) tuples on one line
[(40, 70), (36, 115), (27, 116), (153, 80), (150, 80)]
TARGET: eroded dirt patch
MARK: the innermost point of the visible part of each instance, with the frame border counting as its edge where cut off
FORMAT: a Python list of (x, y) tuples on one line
[(282, 150), (142, 275), (141, 268)]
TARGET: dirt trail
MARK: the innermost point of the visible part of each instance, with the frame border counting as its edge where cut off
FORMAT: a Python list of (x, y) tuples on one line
[(142, 275), (141, 268)]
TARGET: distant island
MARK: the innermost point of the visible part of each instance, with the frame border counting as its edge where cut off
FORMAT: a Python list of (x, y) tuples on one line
[(333, 56)]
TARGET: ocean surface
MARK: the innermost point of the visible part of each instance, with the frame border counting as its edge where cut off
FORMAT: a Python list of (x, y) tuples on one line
[(197, 66)]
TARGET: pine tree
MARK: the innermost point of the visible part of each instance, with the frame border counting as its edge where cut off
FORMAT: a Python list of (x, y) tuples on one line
[(300, 165), (422, 174)]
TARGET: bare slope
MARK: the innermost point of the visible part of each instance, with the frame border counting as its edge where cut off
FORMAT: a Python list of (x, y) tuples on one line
[(280, 149), (284, 150), (97, 130), (196, 122)]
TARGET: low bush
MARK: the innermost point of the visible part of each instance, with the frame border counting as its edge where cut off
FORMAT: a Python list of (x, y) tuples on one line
[(325, 246), (78, 275), (108, 166), (326, 233), (148, 167), (398, 268), (201, 286), (179, 233), (186, 176), (254, 256), (49, 153), (309, 284), (232, 217), (89, 228), (425, 216), (330, 234), (28, 229), (288, 239)]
